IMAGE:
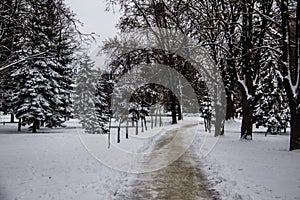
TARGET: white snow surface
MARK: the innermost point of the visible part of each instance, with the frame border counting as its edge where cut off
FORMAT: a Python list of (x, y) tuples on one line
[(54, 164), (261, 169)]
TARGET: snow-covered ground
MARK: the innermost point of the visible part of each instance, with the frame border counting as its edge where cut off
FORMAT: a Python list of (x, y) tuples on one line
[(261, 169), (50, 165), (54, 164)]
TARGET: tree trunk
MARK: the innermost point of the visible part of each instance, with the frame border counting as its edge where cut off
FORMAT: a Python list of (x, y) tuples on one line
[(173, 108), (219, 121), (156, 113), (109, 128), (229, 106), (152, 119), (127, 124), (179, 112), (12, 118), (142, 124), (294, 99), (118, 136), (137, 127), (295, 133), (19, 125), (295, 105), (207, 124), (145, 122), (38, 125), (248, 70), (247, 124), (127, 132), (160, 119), (295, 127), (34, 126)]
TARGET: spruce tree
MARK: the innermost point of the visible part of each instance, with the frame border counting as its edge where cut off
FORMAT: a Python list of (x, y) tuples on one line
[(42, 84), (272, 110), (104, 92), (85, 96)]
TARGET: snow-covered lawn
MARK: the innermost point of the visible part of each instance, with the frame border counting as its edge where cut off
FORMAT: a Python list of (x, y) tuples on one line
[(51, 166), (261, 169), (54, 164)]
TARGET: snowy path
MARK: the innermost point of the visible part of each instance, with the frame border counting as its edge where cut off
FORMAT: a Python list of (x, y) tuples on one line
[(180, 180)]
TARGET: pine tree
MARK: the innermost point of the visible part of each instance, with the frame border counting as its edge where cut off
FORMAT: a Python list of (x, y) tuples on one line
[(62, 36), (85, 99), (104, 92), (42, 85), (272, 110)]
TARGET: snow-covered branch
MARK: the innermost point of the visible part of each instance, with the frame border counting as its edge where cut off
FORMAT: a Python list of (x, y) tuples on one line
[(10, 66)]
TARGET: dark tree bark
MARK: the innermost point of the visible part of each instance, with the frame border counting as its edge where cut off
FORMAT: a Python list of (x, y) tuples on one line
[(173, 107), (295, 126), (19, 124), (247, 62), (231, 79), (295, 103), (12, 118), (34, 126), (247, 123), (152, 122), (38, 126), (160, 119), (119, 135), (179, 112), (229, 106), (142, 124), (137, 127), (291, 72), (145, 122), (219, 123)]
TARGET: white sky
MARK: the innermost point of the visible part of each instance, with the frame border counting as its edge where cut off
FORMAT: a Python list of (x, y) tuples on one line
[(92, 13)]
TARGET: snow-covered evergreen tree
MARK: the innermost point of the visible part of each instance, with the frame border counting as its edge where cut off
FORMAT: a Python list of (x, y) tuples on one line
[(85, 99), (272, 109), (42, 84), (104, 92)]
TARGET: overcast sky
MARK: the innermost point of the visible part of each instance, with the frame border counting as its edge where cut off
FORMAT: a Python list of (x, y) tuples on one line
[(92, 13)]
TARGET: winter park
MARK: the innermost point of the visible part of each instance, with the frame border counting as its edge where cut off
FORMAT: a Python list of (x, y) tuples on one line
[(149, 99)]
